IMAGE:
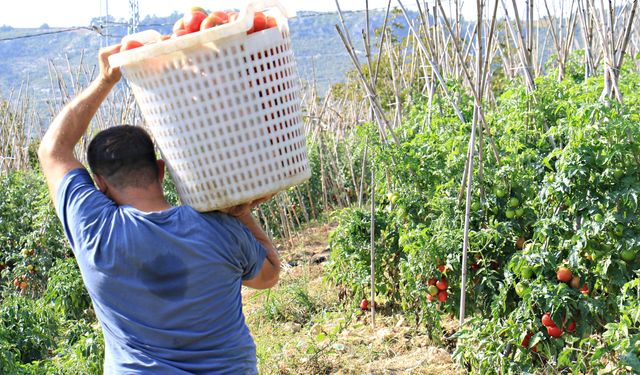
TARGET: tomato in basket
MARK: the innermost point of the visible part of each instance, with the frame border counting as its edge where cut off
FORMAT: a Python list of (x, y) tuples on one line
[(271, 22), (232, 16), (259, 23), (179, 25), (179, 32), (192, 20), (214, 19), (130, 44)]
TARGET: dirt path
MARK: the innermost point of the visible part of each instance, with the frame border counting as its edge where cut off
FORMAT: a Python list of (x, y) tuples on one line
[(302, 327)]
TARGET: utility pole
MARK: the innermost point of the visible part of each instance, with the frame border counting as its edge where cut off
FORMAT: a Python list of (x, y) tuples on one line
[(134, 16)]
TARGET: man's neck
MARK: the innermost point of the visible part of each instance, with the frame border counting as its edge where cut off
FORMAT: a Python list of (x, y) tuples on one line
[(146, 200)]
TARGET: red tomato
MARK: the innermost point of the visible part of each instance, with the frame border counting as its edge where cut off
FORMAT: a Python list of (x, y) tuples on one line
[(432, 281), (232, 16), (547, 321), (429, 297), (179, 25), (271, 22), (130, 44), (585, 289), (564, 274), (554, 331), (525, 341), (571, 327), (442, 284), (441, 268), (214, 19), (180, 32), (364, 304), (24, 285), (442, 296), (193, 20), (259, 23)]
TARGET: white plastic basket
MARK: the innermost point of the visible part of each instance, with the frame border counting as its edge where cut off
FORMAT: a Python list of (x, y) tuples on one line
[(224, 109)]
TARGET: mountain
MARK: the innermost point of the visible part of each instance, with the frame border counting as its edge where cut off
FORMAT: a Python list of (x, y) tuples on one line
[(319, 52)]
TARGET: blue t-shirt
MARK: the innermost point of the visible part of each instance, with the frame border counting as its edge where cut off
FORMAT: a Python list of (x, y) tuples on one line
[(165, 285)]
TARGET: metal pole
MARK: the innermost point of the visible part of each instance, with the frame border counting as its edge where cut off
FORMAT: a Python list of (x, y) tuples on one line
[(373, 250)]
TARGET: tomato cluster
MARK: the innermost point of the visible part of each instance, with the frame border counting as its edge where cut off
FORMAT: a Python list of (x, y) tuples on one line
[(198, 19), (438, 287)]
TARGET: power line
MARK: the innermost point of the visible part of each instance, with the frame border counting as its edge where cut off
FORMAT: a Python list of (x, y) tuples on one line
[(96, 29), (99, 28)]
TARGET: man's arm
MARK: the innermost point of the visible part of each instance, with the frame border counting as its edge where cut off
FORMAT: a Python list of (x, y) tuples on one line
[(270, 271), (56, 148)]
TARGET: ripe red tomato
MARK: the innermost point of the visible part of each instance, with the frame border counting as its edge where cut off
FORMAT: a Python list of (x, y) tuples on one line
[(180, 32), (442, 268), (564, 274), (16, 282), (575, 282), (585, 289), (429, 297), (130, 44), (24, 285), (271, 22), (364, 304), (214, 19), (554, 331), (442, 284), (571, 327), (259, 23), (432, 281), (232, 16), (193, 20), (525, 341), (442, 296), (547, 321), (178, 25)]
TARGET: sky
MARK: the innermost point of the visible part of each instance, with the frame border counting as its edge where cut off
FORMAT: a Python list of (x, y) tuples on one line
[(64, 13)]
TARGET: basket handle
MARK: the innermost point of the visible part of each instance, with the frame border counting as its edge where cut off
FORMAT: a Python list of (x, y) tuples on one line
[(242, 24)]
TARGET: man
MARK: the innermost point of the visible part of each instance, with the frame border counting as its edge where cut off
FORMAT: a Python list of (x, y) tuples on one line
[(165, 281)]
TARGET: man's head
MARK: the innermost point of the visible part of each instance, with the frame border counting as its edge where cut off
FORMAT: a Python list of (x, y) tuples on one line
[(124, 157)]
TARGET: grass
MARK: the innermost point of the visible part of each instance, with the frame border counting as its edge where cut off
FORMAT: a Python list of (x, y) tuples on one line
[(301, 326)]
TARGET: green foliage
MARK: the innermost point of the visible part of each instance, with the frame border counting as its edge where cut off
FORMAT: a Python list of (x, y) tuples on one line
[(563, 194), (28, 327), (66, 291)]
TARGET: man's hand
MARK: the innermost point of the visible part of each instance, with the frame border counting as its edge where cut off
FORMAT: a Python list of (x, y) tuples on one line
[(245, 208), (107, 73), (56, 148)]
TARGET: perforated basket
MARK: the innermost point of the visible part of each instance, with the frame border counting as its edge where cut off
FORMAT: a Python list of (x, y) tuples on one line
[(224, 109)]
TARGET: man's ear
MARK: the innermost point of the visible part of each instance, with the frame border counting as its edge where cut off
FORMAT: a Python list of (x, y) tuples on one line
[(101, 183), (160, 164)]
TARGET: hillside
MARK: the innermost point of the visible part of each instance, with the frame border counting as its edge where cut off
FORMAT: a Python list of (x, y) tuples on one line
[(316, 44)]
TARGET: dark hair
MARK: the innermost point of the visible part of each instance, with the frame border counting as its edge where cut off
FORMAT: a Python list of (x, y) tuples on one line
[(123, 155)]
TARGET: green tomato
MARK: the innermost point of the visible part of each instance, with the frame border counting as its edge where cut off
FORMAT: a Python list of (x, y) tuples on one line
[(526, 272), (628, 255), (475, 206), (598, 218), (509, 214), (519, 212), (618, 230), (521, 289), (618, 173), (500, 193), (432, 290), (514, 202)]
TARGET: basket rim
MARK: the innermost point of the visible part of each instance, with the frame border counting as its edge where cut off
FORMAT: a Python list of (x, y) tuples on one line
[(235, 29)]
